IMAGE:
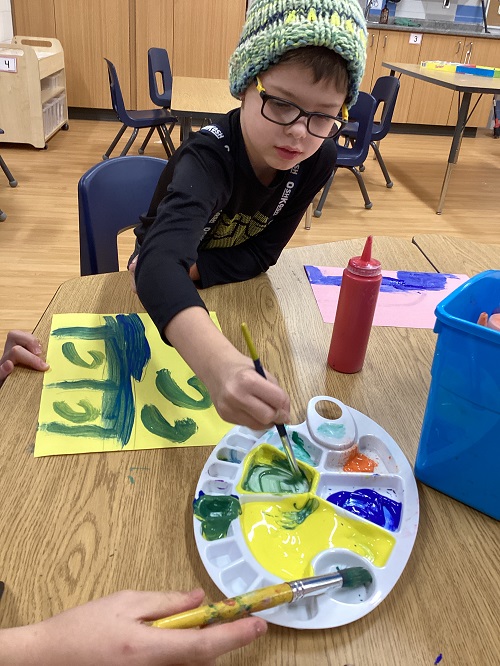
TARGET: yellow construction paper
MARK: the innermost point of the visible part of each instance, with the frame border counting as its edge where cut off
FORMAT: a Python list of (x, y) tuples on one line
[(114, 385)]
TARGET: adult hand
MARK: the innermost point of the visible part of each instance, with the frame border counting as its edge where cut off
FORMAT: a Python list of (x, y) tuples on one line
[(112, 632), (21, 348)]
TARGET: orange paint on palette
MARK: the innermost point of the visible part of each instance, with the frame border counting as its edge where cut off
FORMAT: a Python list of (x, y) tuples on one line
[(358, 462)]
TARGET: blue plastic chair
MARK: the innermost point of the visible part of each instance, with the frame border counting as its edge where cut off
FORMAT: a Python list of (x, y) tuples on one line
[(385, 91), (153, 119), (353, 156), (111, 196), (158, 63)]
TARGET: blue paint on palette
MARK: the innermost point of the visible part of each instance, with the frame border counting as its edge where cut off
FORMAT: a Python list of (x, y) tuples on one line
[(438, 659), (406, 281), (370, 505)]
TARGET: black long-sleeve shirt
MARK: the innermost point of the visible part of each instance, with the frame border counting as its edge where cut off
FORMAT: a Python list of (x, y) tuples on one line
[(209, 207)]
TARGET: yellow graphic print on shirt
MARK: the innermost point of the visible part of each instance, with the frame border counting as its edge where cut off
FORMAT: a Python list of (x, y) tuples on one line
[(228, 232)]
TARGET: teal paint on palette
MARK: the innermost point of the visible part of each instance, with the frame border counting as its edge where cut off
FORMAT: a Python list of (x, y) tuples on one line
[(332, 430), (274, 478)]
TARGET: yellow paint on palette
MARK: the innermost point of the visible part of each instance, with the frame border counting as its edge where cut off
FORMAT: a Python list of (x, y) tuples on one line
[(114, 385), (285, 535)]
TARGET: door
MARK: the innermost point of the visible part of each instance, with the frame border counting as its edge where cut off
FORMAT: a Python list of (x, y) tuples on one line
[(371, 54)]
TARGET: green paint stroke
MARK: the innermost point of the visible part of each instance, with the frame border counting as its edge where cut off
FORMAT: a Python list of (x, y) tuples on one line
[(274, 478), (332, 430), (170, 390), (300, 450), (69, 351), (216, 513), (156, 423), (292, 519), (89, 413)]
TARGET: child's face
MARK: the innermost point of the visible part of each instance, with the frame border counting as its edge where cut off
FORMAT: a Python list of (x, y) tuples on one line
[(272, 147)]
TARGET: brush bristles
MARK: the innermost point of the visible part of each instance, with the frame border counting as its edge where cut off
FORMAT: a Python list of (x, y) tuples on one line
[(355, 577)]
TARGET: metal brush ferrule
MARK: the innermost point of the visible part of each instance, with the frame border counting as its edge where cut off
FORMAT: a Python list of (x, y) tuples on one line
[(302, 588)]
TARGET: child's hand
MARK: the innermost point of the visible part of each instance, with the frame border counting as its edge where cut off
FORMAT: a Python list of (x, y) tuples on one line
[(112, 632), (21, 349), (242, 396)]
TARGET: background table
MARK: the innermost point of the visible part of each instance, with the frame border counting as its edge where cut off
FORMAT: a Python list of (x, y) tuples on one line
[(466, 84), (76, 527), (458, 255), (200, 99)]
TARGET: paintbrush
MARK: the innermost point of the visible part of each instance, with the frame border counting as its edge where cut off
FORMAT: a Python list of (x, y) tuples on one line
[(280, 427), (266, 597)]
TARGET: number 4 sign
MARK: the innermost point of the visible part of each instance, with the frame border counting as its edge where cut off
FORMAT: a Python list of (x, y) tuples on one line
[(8, 64), (416, 38)]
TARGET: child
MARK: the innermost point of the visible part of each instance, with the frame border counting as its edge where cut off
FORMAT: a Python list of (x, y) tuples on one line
[(233, 194), (21, 349), (112, 632)]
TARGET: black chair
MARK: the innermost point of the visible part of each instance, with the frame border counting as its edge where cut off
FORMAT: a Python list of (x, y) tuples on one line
[(10, 178), (153, 119), (353, 155), (111, 196), (385, 91)]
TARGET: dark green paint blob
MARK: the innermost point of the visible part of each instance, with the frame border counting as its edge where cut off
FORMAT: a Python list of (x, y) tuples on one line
[(69, 351), (170, 390), (275, 478), (89, 413), (292, 519), (216, 513), (300, 450), (156, 423)]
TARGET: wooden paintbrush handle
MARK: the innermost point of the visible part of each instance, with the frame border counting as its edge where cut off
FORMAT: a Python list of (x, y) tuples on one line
[(229, 609)]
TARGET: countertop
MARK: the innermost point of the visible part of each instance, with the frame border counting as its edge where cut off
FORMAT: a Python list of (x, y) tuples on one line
[(438, 27)]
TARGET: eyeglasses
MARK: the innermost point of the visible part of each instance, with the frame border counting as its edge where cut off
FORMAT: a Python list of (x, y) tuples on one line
[(283, 112)]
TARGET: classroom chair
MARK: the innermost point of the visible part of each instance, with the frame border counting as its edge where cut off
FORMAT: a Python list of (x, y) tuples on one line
[(385, 91), (10, 178), (111, 196), (152, 119), (353, 155), (159, 72)]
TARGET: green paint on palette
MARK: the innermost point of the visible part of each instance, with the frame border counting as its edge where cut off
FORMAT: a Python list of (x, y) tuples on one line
[(156, 423), (292, 519), (170, 390), (300, 449), (332, 430), (69, 351), (275, 478), (89, 413), (216, 513)]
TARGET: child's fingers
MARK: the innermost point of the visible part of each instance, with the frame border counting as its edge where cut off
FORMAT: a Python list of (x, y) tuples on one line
[(24, 339), (21, 356), (221, 638), (5, 370)]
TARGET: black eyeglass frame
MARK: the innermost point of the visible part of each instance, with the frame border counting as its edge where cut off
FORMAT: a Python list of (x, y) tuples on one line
[(302, 113)]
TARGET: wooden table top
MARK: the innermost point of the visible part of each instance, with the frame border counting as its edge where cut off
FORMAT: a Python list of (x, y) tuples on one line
[(462, 82), (458, 255), (75, 527), (193, 95)]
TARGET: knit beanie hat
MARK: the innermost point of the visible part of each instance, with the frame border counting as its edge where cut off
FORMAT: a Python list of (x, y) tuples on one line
[(273, 27)]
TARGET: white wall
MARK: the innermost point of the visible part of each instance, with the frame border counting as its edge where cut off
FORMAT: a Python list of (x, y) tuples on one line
[(6, 31)]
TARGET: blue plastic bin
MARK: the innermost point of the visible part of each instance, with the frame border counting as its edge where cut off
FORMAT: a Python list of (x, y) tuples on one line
[(459, 449)]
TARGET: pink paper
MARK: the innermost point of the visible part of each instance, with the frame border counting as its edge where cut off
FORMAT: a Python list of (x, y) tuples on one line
[(406, 299)]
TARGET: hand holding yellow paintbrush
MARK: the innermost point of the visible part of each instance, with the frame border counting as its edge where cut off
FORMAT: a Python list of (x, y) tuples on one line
[(266, 597)]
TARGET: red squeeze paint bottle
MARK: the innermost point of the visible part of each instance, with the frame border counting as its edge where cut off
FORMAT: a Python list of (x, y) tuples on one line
[(359, 291)]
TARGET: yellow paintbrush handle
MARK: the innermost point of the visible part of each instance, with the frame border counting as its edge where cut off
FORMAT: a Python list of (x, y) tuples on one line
[(229, 609)]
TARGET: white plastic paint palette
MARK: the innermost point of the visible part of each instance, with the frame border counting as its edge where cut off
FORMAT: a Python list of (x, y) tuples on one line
[(255, 525)]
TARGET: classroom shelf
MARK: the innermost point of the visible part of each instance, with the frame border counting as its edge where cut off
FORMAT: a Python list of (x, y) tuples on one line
[(33, 105)]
